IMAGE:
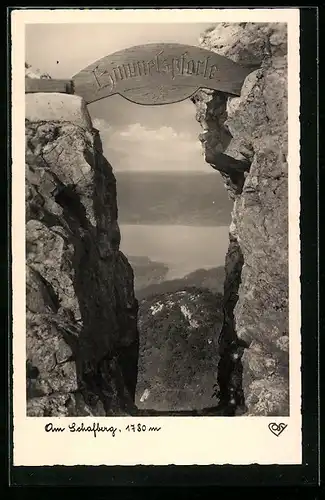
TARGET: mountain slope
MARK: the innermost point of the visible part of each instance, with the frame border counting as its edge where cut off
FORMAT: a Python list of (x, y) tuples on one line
[(179, 349)]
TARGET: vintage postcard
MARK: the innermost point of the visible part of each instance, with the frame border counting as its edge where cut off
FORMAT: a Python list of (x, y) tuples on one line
[(155, 237)]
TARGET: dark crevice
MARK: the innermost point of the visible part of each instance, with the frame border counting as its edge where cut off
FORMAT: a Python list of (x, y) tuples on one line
[(69, 200), (106, 373), (105, 183), (128, 360), (106, 383), (51, 292), (128, 355), (32, 372), (233, 169), (230, 368)]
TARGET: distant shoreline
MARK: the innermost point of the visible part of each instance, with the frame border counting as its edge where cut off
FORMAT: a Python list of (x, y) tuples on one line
[(172, 198)]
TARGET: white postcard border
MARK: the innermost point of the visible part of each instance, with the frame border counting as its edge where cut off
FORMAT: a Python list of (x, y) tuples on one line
[(181, 440)]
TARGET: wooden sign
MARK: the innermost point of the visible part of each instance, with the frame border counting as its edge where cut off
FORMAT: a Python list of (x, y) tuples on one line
[(160, 73), (33, 85)]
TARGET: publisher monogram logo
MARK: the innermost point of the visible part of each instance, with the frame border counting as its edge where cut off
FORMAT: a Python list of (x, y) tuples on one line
[(277, 429)]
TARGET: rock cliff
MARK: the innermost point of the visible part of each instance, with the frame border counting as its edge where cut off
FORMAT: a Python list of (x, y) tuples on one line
[(252, 128), (82, 338)]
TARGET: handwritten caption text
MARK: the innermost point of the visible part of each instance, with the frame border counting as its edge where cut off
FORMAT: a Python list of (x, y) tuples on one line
[(95, 428)]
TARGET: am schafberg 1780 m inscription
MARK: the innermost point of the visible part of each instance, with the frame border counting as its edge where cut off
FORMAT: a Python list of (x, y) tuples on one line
[(95, 428)]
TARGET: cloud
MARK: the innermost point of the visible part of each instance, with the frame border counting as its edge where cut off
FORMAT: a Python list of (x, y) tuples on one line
[(101, 125), (138, 147)]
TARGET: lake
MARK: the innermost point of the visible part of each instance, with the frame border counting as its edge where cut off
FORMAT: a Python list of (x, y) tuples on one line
[(182, 248)]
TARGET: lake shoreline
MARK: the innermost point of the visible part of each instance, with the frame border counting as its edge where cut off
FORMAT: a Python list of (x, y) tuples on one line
[(182, 249)]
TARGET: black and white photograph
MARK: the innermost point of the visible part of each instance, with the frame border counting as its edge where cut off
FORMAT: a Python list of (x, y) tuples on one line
[(156, 219)]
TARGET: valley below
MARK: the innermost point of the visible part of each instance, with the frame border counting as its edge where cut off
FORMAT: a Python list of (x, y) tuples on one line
[(179, 320)]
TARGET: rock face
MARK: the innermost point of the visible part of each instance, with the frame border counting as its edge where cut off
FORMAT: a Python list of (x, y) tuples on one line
[(253, 128), (82, 338), (179, 350)]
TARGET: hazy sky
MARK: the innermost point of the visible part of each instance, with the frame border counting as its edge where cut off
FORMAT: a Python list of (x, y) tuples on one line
[(134, 137)]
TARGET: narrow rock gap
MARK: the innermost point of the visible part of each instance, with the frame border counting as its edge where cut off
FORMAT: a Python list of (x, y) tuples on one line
[(97, 370)]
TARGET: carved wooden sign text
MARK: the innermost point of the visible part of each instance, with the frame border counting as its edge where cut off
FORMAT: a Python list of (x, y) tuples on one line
[(159, 73)]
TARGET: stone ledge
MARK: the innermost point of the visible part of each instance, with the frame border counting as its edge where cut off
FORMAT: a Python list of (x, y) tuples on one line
[(44, 106)]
